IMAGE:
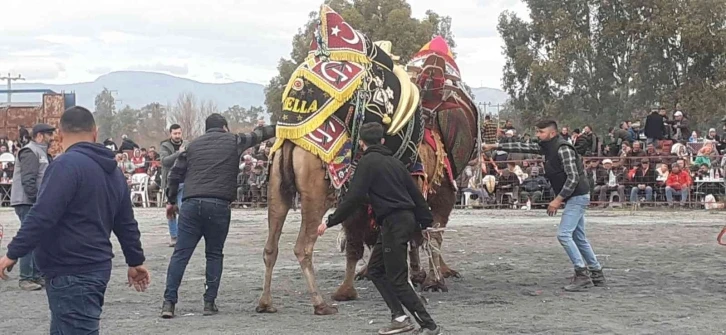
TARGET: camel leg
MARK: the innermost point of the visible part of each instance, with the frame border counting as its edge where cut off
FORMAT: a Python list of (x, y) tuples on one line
[(310, 179), (418, 274), (442, 205), (277, 210), (354, 252)]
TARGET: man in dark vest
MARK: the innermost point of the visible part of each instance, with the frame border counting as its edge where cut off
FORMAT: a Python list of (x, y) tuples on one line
[(169, 151), (33, 159), (208, 168), (566, 173)]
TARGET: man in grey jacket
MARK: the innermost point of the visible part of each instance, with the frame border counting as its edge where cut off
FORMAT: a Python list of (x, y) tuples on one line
[(30, 167), (169, 150)]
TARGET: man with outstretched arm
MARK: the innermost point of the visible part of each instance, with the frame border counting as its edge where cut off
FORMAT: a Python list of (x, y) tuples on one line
[(564, 169), (82, 199), (401, 210)]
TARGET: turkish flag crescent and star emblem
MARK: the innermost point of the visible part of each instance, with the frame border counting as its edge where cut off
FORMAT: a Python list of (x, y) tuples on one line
[(340, 35), (337, 74)]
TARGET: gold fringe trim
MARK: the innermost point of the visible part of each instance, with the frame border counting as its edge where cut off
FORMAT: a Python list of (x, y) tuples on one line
[(326, 157), (297, 131), (277, 145)]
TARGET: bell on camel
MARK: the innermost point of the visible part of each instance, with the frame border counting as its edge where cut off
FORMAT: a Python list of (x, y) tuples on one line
[(386, 119)]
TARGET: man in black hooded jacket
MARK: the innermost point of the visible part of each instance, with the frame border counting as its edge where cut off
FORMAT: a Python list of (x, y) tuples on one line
[(401, 210)]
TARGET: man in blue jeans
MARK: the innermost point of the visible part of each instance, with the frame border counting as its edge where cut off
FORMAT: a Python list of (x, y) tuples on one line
[(82, 199), (564, 169), (33, 160), (208, 169), (169, 151)]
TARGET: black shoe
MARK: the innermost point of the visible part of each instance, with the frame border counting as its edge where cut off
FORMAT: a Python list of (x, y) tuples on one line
[(426, 331), (581, 281), (397, 327), (210, 308), (167, 310), (598, 277)]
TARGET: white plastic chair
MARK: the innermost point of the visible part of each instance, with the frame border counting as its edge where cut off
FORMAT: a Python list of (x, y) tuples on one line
[(140, 182)]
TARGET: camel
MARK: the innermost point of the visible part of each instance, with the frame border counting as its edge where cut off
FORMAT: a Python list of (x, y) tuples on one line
[(345, 81), (450, 114)]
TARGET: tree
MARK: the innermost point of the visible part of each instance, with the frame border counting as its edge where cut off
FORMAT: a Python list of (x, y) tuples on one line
[(126, 122), (105, 113), (241, 119), (191, 114), (379, 19), (602, 62), (152, 123)]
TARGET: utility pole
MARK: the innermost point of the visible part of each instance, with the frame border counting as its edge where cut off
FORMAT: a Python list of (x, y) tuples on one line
[(10, 82)]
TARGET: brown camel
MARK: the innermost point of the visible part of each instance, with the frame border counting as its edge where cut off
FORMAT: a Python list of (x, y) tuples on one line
[(450, 112), (359, 80)]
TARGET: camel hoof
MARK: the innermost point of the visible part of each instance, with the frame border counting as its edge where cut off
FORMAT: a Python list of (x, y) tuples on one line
[(345, 294), (435, 286), (325, 310), (265, 309), (418, 278), (451, 274)]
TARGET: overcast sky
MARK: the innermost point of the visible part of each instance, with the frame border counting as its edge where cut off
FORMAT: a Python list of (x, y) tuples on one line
[(216, 41)]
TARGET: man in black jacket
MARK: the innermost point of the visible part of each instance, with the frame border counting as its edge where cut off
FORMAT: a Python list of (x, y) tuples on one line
[(401, 210), (208, 168), (655, 129)]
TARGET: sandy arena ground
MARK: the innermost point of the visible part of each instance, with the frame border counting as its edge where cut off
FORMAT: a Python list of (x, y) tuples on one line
[(666, 276)]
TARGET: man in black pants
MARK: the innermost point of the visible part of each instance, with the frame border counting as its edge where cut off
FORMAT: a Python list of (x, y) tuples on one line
[(208, 169), (400, 209)]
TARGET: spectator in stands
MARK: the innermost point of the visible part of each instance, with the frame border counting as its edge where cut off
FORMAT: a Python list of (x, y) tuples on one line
[(258, 184), (169, 151), (243, 186), (632, 158), (527, 138), (713, 137), (622, 135), (611, 179), (680, 150), (4, 148), (508, 183), (694, 137), (655, 129), (634, 131), (587, 140), (120, 161), (508, 125), (564, 132), (128, 144), (534, 187), (679, 181), (644, 180), (139, 162), (706, 155), (508, 137), (591, 170), (33, 160), (128, 166), (651, 151), (489, 130), (23, 137), (110, 144), (680, 127)]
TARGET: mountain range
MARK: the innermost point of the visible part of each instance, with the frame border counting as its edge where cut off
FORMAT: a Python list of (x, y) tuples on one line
[(137, 89)]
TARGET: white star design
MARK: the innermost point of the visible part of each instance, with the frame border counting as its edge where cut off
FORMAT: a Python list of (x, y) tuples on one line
[(336, 30)]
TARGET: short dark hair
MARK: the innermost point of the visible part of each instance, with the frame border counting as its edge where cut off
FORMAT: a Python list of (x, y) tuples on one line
[(371, 133), (215, 120), (77, 119), (174, 127), (544, 124)]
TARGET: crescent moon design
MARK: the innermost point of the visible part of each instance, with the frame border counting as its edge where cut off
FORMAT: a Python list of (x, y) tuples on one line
[(356, 38)]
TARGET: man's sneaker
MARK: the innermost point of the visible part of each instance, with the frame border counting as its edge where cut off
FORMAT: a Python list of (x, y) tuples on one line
[(598, 277), (167, 310), (210, 308), (581, 281), (397, 327), (40, 281), (426, 331), (172, 242), (29, 285)]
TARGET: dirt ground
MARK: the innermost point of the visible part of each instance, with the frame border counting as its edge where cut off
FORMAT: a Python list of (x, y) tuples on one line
[(665, 271)]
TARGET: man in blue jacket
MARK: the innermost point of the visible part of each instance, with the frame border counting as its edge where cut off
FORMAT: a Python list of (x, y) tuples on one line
[(82, 199)]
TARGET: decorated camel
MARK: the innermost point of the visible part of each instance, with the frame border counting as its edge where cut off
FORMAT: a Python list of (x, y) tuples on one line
[(344, 82), (450, 137)]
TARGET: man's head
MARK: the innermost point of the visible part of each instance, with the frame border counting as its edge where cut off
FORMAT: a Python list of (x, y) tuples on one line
[(546, 130), (144, 152), (587, 130), (712, 132), (637, 146), (488, 117), (703, 168), (607, 164), (215, 121), (681, 163), (565, 131), (258, 170), (676, 168), (650, 148), (662, 111), (594, 163), (624, 125), (152, 148), (175, 133), (678, 115), (576, 131), (77, 125), (508, 123), (371, 134), (42, 133), (645, 163)]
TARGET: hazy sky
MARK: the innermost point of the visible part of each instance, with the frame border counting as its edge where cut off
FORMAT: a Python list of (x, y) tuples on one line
[(209, 41)]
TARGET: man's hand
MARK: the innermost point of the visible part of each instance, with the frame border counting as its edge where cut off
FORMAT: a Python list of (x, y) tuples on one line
[(489, 147), (322, 227), (171, 210), (139, 278), (5, 264), (554, 206)]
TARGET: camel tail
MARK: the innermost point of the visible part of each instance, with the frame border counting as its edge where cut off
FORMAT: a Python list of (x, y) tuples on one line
[(287, 173)]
